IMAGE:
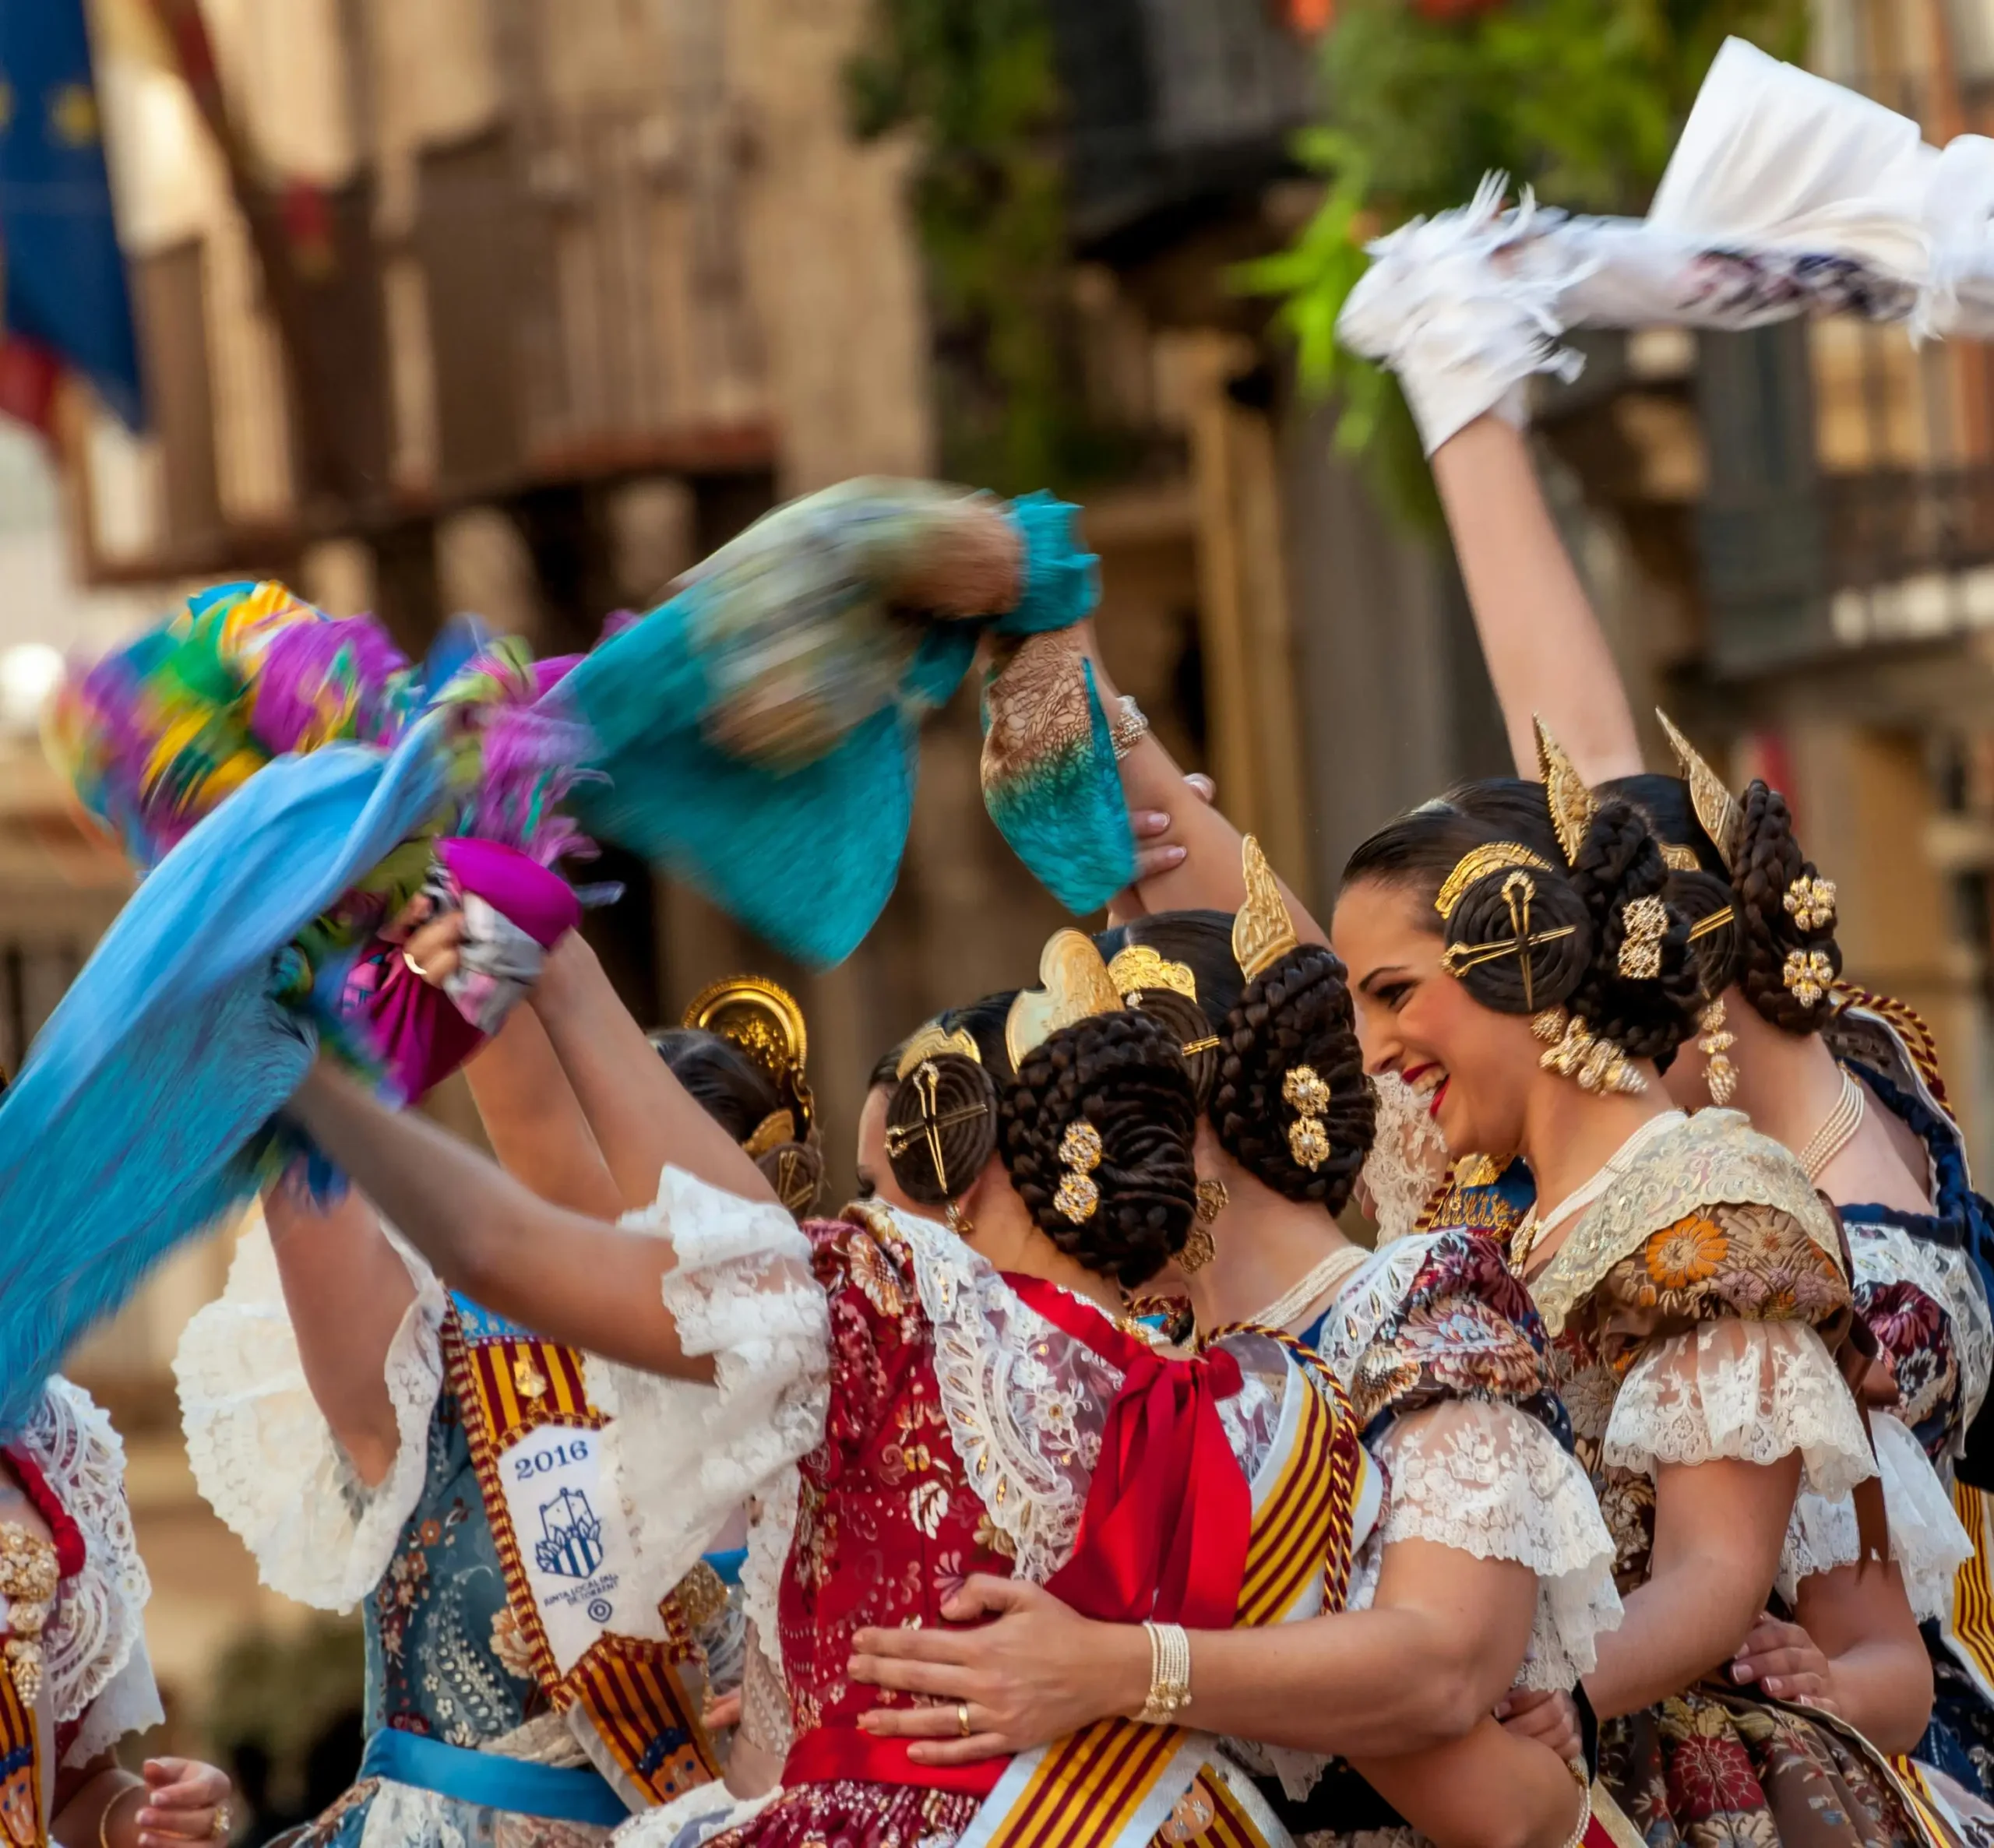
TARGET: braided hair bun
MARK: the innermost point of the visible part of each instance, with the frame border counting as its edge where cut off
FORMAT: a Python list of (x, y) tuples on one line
[(1787, 956), (1538, 910), (740, 1096), (1122, 1076), (941, 1128), (1295, 1018)]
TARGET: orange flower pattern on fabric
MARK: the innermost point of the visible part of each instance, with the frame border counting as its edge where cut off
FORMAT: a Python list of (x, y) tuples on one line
[(1689, 1252)]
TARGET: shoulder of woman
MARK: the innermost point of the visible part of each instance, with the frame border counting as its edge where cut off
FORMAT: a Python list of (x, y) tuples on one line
[(1726, 1259), (866, 1252)]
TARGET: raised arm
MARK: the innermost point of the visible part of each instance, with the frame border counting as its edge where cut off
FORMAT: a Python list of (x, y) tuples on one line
[(573, 1279), (347, 1289), (1546, 653), (536, 1123)]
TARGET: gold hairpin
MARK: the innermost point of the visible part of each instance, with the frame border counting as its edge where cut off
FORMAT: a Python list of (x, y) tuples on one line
[(1715, 921), (1075, 985), (933, 1040), (928, 1127), (1478, 864), (1519, 892), (1262, 931), (1571, 803), (1139, 969), (1716, 808)]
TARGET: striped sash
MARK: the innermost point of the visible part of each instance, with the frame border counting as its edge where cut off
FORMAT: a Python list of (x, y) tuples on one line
[(598, 1651), (1118, 1781), (21, 1811), (1969, 1632)]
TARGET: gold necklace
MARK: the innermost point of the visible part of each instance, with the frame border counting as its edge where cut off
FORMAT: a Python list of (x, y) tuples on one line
[(1837, 1131)]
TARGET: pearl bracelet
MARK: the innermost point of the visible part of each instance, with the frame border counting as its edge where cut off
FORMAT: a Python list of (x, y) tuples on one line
[(1170, 1674)]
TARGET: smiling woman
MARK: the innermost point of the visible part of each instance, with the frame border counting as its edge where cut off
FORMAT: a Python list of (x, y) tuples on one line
[(1516, 959)]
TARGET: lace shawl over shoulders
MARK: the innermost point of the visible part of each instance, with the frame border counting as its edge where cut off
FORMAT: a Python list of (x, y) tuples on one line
[(263, 1455), (94, 1647)]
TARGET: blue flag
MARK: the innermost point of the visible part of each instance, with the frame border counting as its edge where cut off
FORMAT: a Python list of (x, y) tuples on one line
[(65, 288)]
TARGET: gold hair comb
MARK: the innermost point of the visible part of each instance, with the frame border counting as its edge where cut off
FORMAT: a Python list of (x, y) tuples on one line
[(1262, 930), (1571, 803), (932, 1041), (1075, 985), (1716, 808), (1139, 969)]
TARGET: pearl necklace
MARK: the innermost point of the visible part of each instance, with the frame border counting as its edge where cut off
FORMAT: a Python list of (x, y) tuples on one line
[(1838, 1131), (1524, 1239), (1326, 1279)]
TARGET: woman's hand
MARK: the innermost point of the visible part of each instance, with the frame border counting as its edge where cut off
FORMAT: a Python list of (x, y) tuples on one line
[(1154, 854), (1789, 1664), (431, 943), (184, 1801), (1551, 1719), (1036, 1674)]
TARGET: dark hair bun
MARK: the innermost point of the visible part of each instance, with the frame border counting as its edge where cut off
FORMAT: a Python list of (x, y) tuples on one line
[(1196, 1039), (1716, 948), (1124, 1074), (1619, 863), (1515, 905), (947, 1105), (1296, 1014), (1775, 936), (796, 1171)]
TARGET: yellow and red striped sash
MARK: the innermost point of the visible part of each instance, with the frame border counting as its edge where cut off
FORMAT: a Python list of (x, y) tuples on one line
[(508, 1387), (21, 1813), (1114, 1784), (1969, 1632)]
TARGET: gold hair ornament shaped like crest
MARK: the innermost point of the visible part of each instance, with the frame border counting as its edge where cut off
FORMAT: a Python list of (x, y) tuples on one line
[(1262, 930), (1139, 969), (1716, 808), (1075, 985), (765, 1022), (1571, 803), (1478, 864), (931, 1041)]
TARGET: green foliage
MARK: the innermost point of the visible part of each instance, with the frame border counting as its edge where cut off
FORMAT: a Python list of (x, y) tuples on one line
[(977, 79), (1581, 98)]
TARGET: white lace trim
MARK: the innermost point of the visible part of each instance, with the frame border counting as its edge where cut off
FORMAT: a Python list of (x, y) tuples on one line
[(1408, 1158), (1927, 1541), (401, 1816), (1025, 1404), (1889, 1255), (1489, 1480), (1753, 1392), (689, 1820), (264, 1456), (687, 1456), (1375, 1293), (93, 1649), (771, 1533)]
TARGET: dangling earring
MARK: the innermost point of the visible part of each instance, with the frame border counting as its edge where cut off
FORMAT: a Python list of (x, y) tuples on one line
[(1715, 1044), (957, 1221), (1199, 1247)]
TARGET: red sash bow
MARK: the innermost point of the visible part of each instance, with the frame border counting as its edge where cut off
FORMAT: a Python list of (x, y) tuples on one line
[(1169, 1512)]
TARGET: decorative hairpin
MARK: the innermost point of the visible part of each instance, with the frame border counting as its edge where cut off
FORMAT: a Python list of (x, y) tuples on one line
[(1717, 809), (1476, 864), (932, 1041), (1519, 894), (765, 1022), (1140, 968), (1304, 1092), (1807, 975), (1262, 930), (1645, 923), (1810, 902), (1080, 1152), (1075, 986), (1571, 803)]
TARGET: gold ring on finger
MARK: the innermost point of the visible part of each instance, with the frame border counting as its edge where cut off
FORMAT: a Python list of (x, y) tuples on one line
[(414, 967), (962, 1719)]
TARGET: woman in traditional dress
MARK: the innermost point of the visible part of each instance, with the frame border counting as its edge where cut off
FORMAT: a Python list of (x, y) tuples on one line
[(358, 1425), (77, 1679), (1844, 1079)]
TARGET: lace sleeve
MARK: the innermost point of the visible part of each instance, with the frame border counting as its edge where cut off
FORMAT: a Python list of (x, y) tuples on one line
[(686, 1456), (265, 1458), (128, 1703), (1927, 1541), (1753, 1391), (1489, 1481)]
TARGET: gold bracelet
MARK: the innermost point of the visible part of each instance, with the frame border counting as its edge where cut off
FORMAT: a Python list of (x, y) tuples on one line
[(1129, 728), (1170, 1674), (104, 1815)]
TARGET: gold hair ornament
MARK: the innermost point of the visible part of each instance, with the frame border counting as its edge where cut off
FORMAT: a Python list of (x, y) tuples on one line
[(1573, 1051), (1716, 808), (1199, 1248), (931, 1041), (1305, 1093), (1571, 804), (1080, 1154), (928, 1127), (1262, 929), (776, 1128), (1076, 986), (1519, 893), (1810, 902), (1715, 921), (765, 1022), (1645, 923), (1808, 974), (1680, 859), (1477, 864), (1714, 1043), (1139, 969)]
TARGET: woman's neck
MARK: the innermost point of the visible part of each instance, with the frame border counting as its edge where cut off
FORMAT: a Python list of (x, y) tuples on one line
[(1263, 1245), (1570, 1134), (1013, 1243)]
